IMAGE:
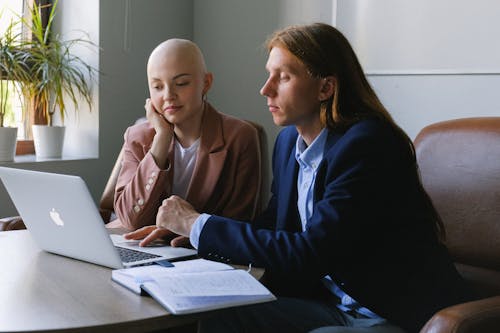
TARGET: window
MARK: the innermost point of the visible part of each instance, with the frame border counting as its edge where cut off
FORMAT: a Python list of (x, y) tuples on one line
[(12, 10), (73, 18)]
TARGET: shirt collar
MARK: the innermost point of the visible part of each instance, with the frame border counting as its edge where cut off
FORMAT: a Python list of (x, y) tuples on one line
[(311, 156)]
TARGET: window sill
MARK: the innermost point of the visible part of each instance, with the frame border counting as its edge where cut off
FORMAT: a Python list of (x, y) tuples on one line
[(31, 158)]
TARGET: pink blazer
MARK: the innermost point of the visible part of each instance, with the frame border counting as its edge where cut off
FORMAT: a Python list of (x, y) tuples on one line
[(226, 178)]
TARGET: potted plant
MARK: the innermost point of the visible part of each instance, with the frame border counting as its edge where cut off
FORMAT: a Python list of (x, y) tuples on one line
[(56, 75), (13, 68)]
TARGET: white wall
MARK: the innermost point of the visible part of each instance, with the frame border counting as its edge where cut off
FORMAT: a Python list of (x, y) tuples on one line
[(80, 20), (425, 36), (428, 60), (419, 100)]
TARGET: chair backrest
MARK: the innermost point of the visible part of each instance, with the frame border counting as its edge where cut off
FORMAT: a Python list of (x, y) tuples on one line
[(106, 204), (459, 162), (264, 172)]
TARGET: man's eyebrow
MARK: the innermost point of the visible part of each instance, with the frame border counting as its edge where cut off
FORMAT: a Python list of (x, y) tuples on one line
[(284, 68)]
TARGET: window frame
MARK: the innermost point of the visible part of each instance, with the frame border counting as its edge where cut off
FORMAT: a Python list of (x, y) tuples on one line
[(26, 146)]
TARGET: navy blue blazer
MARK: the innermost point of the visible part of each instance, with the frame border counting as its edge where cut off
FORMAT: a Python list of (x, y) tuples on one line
[(372, 229)]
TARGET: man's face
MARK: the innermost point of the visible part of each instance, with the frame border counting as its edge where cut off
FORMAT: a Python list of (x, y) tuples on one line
[(292, 93)]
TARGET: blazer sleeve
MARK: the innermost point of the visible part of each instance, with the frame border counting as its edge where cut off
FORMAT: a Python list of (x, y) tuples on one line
[(141, 183)]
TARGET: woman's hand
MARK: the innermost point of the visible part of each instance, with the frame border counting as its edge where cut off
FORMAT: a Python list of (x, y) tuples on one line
[(156, 119), (163, 137)]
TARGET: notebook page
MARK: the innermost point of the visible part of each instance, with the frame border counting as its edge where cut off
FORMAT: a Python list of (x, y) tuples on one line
[(220, 283)]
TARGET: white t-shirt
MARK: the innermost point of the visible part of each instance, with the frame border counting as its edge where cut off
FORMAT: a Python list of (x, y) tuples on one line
[(184, 162)]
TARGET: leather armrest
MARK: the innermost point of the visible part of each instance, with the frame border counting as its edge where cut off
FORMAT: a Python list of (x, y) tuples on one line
[(105, 214), (477, 316), (12, 223)]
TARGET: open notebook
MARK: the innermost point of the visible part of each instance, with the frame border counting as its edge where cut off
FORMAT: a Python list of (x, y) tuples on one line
[(194, 285)]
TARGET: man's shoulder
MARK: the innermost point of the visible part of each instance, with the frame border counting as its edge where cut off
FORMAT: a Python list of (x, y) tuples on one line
[(371, 137), (372, 131)]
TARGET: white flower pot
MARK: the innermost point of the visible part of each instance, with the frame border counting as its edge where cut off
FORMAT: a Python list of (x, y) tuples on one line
[(8, 140), (49, 140)]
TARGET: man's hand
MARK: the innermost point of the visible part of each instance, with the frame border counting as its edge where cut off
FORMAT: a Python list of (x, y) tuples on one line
[(150, 233), (176, 215)]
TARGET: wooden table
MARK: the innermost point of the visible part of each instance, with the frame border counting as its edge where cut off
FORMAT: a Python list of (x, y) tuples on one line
[(44, 292)]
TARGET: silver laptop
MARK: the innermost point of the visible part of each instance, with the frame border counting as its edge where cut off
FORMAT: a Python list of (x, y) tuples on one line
[(62, 218)]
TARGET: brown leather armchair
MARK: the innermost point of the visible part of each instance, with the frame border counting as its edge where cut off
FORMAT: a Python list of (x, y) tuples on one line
[(459, 162), (11, 223)]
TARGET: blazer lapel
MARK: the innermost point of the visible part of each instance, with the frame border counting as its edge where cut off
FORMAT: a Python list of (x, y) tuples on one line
[(210, 160), (319, 188), (287, 214)]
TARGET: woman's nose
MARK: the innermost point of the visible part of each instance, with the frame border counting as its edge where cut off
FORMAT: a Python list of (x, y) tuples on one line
[(168, 93)]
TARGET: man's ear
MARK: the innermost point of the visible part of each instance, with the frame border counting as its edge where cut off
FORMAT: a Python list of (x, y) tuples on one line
[(207, 82), (327, 88)]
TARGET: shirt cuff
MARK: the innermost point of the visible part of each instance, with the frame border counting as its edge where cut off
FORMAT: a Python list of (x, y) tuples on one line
[(194, 235)]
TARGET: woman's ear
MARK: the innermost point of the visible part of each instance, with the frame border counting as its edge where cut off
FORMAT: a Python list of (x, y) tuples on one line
[(207, 82), (327, 88)]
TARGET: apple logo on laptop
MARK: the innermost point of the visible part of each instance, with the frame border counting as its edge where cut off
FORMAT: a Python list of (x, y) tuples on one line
[(56, 217)]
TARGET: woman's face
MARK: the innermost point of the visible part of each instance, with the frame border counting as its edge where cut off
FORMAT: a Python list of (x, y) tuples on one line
[(176, 88), (293, 95)]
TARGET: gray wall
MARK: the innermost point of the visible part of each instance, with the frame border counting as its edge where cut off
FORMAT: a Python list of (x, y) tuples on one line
[(231, 34), (122, 83)]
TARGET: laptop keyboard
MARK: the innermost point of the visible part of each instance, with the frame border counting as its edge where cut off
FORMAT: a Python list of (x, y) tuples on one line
[(129, 255)]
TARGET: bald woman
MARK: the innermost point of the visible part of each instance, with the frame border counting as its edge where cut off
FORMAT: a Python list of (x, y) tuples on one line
[(186, 148)]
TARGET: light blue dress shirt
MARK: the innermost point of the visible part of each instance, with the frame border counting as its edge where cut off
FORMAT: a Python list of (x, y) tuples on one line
[(308, 158)]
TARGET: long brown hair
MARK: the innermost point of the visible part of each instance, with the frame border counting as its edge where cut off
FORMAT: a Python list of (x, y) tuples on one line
[(326, 52)]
